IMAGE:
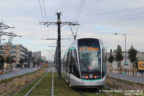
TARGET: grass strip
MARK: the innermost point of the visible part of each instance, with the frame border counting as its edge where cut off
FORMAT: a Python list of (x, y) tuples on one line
[(42, 89), (126, 81), (62, 89), (125, 85), (28, 87), (9, 87), (19, 76)]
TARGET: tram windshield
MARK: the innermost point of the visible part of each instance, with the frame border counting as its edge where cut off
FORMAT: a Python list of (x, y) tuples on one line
[(89, 55)]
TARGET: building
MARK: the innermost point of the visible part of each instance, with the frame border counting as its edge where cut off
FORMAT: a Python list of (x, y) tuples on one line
[(36, 54), (43, 58), (29, 54), (17, 52)]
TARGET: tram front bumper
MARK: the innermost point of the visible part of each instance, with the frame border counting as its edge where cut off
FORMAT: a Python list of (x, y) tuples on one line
[(74, 81)]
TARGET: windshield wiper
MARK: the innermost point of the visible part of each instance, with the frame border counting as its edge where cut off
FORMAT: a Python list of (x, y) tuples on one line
[(84, 65)]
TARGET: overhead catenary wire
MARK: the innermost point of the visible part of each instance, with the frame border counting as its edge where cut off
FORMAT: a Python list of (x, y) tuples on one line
[(42, 9), (79, 10), (45, 15), (74, 34), (76, 18)]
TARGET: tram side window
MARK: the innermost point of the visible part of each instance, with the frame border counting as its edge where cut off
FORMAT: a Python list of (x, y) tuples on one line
[(104, 63), (64, 62), (74, 63), (67, 62)]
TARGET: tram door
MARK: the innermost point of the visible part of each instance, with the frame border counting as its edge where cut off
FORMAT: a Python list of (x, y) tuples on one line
[(73, 67), (67, 66)]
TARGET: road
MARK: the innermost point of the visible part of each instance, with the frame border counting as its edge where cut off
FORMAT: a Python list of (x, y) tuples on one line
[(126, 77), (17, 73)]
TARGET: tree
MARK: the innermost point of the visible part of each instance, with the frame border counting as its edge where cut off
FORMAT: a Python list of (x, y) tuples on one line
[(9, 60), (33, 61), (38, 61), (119, 56), (111, 58), (1, 63), (29, 60), (21, 61), (132, 56)]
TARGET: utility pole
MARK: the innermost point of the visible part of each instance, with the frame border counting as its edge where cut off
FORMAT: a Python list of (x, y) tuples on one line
[(59, 44), (59, 23)]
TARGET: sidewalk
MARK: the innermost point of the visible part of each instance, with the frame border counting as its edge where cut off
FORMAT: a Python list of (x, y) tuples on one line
[(17, 73), (127, 77)]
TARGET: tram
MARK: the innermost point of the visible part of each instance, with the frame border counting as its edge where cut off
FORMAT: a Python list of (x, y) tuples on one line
[(84, 63)]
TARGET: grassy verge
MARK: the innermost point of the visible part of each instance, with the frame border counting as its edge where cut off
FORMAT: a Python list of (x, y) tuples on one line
[(126, 81), (27, 88), (10, 79), (10, 86), (42, 89), (115, 83), (125, 86), (62, 89)]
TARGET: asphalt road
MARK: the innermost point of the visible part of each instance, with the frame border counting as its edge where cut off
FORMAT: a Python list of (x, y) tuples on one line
[(126, 77), (17, 73)]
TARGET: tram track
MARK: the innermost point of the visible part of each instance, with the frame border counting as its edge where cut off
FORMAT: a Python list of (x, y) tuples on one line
[(41, 83), (99, 92), (81, 94), (34, 86), (106, 93), (96, 94)]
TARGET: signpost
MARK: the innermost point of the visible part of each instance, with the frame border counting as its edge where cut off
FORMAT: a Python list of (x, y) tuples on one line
[(141, 65)]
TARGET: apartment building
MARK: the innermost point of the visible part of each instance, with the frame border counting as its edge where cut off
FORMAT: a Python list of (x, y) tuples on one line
[(17, 52)]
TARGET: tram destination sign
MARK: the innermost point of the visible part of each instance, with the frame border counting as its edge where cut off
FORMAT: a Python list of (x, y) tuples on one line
[(141, 65)]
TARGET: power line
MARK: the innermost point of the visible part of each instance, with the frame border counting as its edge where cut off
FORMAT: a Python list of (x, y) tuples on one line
[(72, 30), (41, 10), (76, 18), (58, 48), (44, 9), (79, 10)]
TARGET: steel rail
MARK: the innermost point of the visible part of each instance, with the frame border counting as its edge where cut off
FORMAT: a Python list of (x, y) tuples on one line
[(52, 89), (27, 94)]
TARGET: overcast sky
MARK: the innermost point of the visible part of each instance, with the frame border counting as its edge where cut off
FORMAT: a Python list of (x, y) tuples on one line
[(99, 19)]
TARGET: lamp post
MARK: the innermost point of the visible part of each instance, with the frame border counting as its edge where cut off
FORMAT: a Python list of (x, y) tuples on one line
[(125, 62)]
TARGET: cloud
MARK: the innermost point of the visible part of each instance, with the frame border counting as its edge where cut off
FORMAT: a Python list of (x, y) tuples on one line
[(99, 19)]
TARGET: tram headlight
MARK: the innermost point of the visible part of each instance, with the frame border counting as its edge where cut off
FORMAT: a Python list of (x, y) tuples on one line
[(95, 77), (86, 77)]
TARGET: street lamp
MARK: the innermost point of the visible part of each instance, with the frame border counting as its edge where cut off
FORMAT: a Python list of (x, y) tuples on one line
[(125, 62)]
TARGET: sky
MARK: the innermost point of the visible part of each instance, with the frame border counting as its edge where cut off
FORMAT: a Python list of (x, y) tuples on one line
[(98, 19)]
